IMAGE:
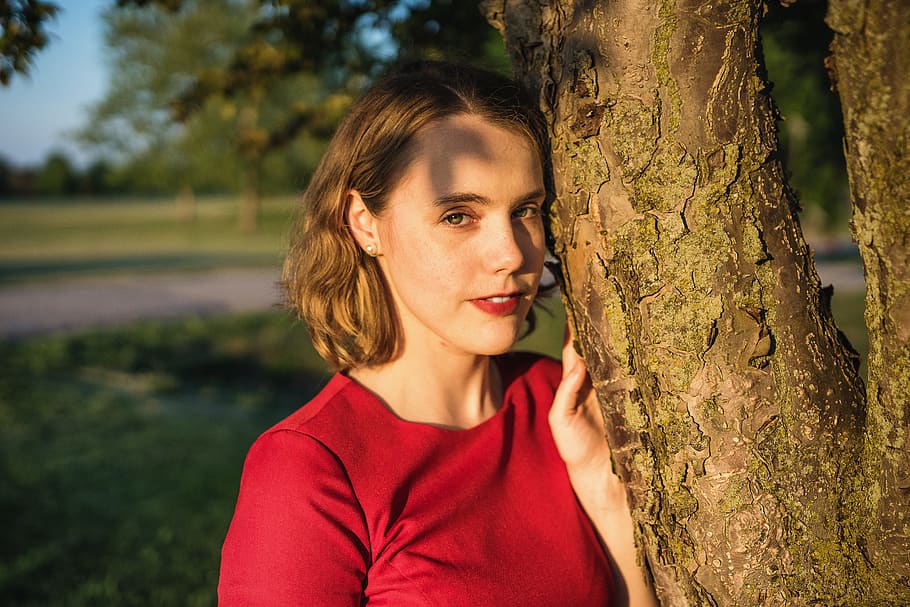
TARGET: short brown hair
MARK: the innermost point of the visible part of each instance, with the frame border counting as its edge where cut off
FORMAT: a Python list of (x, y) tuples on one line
[(336, 288)]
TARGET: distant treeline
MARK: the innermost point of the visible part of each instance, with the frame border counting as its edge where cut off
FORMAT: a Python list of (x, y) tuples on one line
[(61, 176), (56, 176)]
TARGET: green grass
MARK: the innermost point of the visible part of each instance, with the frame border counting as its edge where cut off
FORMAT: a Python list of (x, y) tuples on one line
[(120, 454), (47, 238)]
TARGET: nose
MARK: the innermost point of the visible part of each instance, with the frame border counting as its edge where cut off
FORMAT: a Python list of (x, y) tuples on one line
[(506, 253)]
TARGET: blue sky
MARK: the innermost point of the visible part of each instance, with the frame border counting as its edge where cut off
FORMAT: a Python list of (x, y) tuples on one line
[(37, 111)]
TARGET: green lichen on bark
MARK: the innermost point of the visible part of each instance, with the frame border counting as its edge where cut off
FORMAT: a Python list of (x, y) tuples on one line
[(589, 170), (585, 77), (667, 181), (682, 307), (660, 58), (718, 170), (635, 416), (632, 129), (734, 494), (616, 318)]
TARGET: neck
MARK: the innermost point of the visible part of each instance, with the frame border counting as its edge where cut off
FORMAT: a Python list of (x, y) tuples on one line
[(444, 389)]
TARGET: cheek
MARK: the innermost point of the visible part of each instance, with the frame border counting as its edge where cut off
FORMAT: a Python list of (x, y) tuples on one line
[(535, 247), (415, 264)]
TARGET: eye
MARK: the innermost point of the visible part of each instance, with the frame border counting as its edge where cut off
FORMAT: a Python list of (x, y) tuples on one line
[(456, 219), (528, 210)]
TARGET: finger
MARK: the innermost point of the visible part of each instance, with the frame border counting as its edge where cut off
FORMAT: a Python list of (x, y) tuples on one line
[(567, 397), (570, 358)]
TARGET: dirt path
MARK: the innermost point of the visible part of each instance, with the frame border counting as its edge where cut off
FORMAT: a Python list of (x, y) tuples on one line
[(35, 308)]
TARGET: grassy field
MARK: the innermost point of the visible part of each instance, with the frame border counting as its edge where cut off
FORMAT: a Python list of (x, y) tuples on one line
[(49, 238), (121, 452)]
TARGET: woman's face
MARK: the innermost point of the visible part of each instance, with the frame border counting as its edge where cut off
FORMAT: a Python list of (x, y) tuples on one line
[(462, 239)]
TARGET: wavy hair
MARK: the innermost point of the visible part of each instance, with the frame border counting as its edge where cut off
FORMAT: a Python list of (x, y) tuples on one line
[(337, 289)]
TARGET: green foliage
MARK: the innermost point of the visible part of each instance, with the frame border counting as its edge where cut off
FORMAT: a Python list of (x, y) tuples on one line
[(449, 29), (152, 54), (343, 43), (56, 177), (96, 178), (120, 454), (22, 34), (256, 87), (795, 42)]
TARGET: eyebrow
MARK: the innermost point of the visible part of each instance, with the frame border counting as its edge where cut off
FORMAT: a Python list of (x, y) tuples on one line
[(455, 198)]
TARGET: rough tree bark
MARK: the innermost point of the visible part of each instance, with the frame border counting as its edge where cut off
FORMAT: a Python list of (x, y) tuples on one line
[(871, 68), (734, 407)]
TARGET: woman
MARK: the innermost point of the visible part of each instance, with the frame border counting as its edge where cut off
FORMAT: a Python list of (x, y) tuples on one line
[(432, 469)]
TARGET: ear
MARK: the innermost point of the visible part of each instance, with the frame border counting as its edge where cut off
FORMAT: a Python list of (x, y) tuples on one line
[(362, 223)]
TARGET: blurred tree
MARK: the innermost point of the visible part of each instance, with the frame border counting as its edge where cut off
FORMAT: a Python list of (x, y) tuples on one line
[(57, 176), (22, 34), (795, 41), (95, 179), (153, 54), (293, 67), (5, 176)]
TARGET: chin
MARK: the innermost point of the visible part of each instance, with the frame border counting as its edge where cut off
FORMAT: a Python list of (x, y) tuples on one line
[(496, 345), (498, 351)]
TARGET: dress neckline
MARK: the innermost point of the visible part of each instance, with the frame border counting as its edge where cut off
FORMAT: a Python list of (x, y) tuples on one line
[(507, 375)]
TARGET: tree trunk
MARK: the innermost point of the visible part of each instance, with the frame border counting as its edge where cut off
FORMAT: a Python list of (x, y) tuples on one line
[(871, 69), (185, 205), (252, 143), (733, 404)]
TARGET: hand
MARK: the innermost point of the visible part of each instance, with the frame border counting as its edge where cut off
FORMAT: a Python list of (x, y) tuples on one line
[(578, 430)]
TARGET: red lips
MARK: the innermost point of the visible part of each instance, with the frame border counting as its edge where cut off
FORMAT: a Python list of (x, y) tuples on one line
[(498, 305)]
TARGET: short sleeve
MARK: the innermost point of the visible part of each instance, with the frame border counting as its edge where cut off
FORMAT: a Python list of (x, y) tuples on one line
[(298, 536)]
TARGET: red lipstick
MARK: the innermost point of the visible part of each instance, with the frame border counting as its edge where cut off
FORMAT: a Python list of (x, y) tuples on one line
[(498, 305)]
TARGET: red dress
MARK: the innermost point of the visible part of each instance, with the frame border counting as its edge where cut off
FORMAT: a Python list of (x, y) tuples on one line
[(343, 503)]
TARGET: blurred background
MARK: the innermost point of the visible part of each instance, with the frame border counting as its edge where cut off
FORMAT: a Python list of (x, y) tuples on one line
[(151, 154)]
